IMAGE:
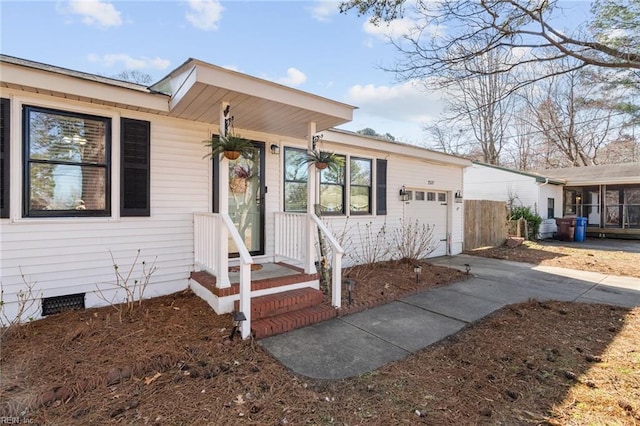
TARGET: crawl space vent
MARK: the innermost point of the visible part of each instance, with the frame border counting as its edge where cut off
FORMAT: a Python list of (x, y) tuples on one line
[(57, 304)]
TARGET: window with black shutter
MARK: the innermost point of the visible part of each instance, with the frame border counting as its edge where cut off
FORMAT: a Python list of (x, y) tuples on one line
[(135, 178), (381, 187), (4, 158)]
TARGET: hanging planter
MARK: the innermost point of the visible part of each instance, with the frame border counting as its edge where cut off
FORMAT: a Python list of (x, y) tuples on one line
[(324, 159), (231, 155), (232, 147)]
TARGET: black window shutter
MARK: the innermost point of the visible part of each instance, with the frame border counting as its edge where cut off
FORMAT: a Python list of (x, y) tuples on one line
[(135, 167), (381, 187), (5, 180)]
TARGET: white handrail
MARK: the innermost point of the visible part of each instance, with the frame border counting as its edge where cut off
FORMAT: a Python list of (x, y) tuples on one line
[(338, 252), (245, 274)]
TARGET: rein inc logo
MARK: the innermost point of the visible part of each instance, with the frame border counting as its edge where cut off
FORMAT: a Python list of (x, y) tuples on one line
[(15, 421)]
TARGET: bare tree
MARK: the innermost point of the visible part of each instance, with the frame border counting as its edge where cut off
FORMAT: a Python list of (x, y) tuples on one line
[(443, 29), (446, 138), (570, 120), (134, 76), (481, 106), (522, 152)]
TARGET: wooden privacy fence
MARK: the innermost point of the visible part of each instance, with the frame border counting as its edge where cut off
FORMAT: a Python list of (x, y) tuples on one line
[(485, 223)]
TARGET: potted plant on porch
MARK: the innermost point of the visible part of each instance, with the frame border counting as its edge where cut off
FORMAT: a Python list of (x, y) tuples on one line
[(324, 159), (231, 146)]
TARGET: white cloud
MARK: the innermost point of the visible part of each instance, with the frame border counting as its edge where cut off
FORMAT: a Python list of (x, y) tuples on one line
[(400, 109), (294, 78), (129, 62), (204, 14), (394, 29), (325, 9), (95, 13)]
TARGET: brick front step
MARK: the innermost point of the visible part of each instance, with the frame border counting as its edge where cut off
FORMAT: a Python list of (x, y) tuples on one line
[(292, 320), (280, 303)]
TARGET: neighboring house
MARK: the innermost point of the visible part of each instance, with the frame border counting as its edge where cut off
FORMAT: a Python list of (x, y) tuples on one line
[(542, 193), (607, 195), (93, 167)]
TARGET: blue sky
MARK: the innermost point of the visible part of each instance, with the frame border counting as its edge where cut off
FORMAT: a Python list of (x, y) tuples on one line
[(303, 44)]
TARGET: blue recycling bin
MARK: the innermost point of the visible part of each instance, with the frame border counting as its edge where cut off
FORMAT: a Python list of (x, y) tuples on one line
[(581, 229)]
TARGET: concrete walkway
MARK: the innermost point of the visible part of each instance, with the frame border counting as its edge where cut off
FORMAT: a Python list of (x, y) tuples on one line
[(359, 343)]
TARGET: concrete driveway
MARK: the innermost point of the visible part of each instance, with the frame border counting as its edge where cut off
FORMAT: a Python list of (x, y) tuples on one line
[(356, 344)]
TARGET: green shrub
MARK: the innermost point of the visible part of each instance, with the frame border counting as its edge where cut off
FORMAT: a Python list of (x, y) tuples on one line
[(533, 219)]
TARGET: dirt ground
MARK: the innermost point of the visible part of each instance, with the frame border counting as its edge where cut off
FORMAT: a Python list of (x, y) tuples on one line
[(170, 362), (568, 255)]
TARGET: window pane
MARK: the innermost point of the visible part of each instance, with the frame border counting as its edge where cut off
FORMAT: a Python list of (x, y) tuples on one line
[(295, 197), (62, 138), (360, 199), (67, 187), (330, 175), (442, 196), (420, 195), (431, 196), (294, 167), (360, 170), (331, 197), (67, 166)]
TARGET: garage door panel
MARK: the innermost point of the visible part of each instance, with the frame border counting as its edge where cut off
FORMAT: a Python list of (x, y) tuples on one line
[(430, 207)]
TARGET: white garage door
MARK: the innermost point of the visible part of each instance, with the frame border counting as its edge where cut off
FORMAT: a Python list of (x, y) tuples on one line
[(430, 207)]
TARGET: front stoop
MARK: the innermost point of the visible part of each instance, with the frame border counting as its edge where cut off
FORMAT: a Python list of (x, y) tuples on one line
[(282, 312)]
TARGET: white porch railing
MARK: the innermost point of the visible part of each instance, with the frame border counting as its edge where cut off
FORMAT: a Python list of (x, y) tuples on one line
[(290, 236), (205, 233), (336, 263), (208, 229), (291, 241)]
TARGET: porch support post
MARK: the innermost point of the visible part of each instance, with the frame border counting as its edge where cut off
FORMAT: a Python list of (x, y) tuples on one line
[(309, 259), (222, 279)]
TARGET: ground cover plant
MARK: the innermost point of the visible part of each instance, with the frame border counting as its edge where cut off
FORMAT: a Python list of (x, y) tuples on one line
[(170, 362)]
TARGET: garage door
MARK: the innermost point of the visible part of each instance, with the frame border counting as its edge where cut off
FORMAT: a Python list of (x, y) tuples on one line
[(430, 207)]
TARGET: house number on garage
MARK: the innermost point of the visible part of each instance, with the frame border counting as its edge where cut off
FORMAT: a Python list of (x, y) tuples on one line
[(430, 182)]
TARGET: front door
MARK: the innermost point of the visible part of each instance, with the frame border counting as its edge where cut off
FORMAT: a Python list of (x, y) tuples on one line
[(246, 200)]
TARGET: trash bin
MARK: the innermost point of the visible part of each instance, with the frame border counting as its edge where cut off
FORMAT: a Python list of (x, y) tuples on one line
[(566, 228), (581, 229)]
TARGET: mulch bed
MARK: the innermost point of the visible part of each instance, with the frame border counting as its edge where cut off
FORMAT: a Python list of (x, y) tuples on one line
[(170, 362)]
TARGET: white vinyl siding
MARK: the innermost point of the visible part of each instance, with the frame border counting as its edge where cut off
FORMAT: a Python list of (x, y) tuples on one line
[(70, 255)]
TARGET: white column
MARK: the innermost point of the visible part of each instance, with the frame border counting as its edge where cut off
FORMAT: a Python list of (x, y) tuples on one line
[(309, 257), (222, 279)]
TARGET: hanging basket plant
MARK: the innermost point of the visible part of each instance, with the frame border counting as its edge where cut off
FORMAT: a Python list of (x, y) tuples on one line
[(323, 160), (240, 178), (231, 146)]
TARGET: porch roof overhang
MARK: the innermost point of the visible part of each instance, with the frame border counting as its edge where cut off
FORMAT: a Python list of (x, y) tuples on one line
[(607, 174), (198, 90)]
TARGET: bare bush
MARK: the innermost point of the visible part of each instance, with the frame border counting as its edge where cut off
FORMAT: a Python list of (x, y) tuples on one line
[(373, 248), (413, 240), (132, 289), (27, 300)]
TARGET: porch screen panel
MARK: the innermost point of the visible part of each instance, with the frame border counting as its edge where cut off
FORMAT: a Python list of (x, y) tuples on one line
[(135, 181), (632, 207), (381, 187), (613, 210), (4, 157)]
